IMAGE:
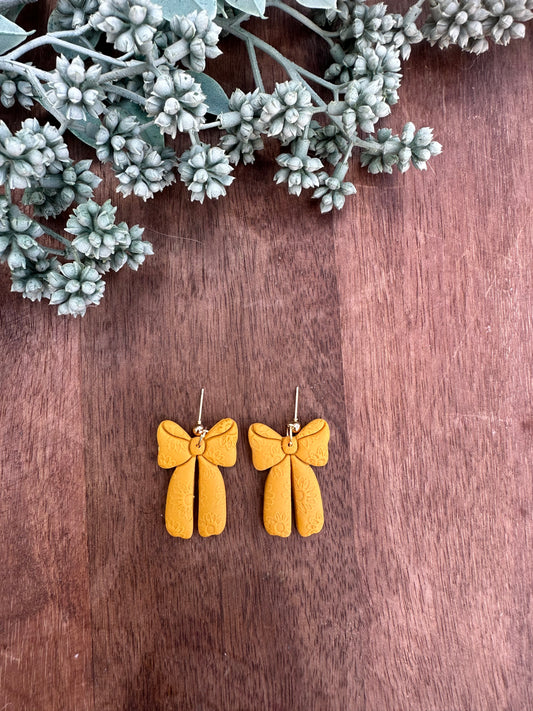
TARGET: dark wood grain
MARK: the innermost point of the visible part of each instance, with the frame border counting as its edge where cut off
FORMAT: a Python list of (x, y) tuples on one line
[(218, 623), (406, 321), (436, 299), (45, 635)]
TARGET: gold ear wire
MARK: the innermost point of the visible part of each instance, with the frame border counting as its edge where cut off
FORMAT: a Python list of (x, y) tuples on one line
[(200, 430), (294, 426)]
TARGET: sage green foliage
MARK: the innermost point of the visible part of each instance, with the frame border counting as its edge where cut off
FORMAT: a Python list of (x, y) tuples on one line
[(33, 281), (472, 24), (70, 14), (75, 90), (18, 237), (412, 147), (74, 287), (73, 182), (205, 170), (177, 102), (13, 89), (298, 168), (37, 158), (130, 75), (333, 189), (242, 125)]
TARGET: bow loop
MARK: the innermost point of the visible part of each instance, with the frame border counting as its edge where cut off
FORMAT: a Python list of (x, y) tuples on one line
[(221, 443), (313, 443), (266, 446), (173, 444)]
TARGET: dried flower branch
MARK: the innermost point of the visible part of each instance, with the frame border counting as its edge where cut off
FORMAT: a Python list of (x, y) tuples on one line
[(130, 74)]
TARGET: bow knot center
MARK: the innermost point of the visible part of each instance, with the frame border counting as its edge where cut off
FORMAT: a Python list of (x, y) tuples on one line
[(197, 446), (289, 447)]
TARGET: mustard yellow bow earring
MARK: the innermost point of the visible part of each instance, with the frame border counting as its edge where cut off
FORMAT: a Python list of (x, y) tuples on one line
[(286, 456), (212, 448)]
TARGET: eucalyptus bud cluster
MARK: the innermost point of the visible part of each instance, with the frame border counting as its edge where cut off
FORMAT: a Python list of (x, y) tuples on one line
[(24, 156), (405, 32), (328, 142), (361, 26), (37, 158), (411, 147), (57, 190), (75, 90), (363, 105), (333, 189), (131, 251), (287, 111), (55, 148), (470, 23), (140, 168), (118, 138), (134, 252), (243, 126), (457, 22), (32, 281), (192, 40), (368, 25), (147, 171), (95, 233), (506, 19), (129, 25), (14, 88), (18, 237), (298, 168), (74, 287), (205, 170), (177, 103)]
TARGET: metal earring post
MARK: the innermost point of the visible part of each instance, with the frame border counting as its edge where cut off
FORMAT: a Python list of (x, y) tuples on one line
[(200, 430), (294, 426), (199, 423)]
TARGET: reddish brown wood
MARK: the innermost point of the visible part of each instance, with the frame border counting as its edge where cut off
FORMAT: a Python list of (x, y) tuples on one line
[(436, 301), (406, 322), (215, 623), (45, 635)]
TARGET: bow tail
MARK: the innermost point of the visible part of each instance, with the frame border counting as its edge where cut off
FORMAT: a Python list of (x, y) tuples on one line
[(307, 498), (180, 497), (277, 504), (211, 499)]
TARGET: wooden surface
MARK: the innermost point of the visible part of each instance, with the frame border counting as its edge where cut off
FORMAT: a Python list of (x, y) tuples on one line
[(406, 321)]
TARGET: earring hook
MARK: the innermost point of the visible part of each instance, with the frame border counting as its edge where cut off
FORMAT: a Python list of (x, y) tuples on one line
[(294, 426), (200, 430)]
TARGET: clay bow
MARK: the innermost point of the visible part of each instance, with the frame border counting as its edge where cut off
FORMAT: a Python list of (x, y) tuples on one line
[(285, 456), (218, 447)]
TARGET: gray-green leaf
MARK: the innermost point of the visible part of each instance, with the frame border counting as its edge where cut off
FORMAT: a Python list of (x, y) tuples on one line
[(318, 4), (85, 130), (88, 40), (53, 25), (11, 34), (13, 12), (184, 7), (216, 98), (250, 7)]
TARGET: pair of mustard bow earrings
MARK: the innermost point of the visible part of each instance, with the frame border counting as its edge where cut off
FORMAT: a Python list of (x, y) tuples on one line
[(288, 458)]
